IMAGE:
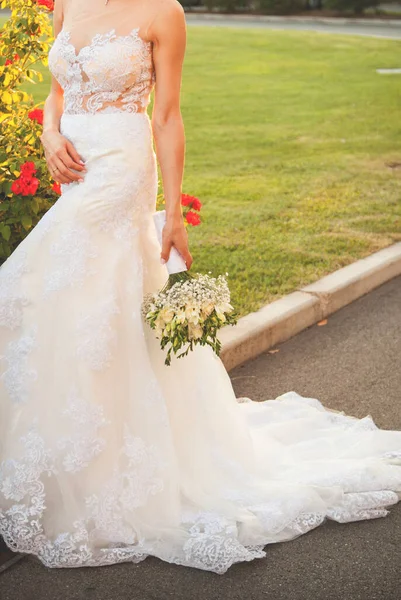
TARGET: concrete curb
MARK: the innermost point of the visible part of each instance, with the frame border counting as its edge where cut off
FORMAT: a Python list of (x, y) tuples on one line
[(207, 16), (276, 322)]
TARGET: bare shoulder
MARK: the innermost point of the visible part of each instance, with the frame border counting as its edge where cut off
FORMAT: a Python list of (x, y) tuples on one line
[(58, 14), (168, 14), (170, 9)]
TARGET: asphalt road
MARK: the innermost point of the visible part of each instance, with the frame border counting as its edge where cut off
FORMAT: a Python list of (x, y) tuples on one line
[(379, 31), (352, 364)]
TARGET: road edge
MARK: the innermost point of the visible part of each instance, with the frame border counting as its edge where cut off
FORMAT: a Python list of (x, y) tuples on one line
[(278, 321), (204, 15)]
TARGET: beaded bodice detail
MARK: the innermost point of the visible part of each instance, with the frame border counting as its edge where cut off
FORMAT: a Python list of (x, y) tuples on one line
[(113, 73)]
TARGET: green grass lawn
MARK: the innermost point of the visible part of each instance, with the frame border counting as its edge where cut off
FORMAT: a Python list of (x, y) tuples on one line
[(289, 135), (289, 140)]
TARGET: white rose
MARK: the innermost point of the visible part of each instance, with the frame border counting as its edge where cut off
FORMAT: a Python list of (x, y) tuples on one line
[(224, 307), (159, 327), (195, 331), (221, 315), (167, 314), (207, 308), (180, 317), (192, 314)]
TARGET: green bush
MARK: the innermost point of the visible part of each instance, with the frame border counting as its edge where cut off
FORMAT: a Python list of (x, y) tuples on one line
[(264, 6), (356, 6), (26, 188), (229, 6), (281, 7)]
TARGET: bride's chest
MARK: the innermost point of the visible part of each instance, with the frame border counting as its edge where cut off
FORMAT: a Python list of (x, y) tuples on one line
[(108, 60)]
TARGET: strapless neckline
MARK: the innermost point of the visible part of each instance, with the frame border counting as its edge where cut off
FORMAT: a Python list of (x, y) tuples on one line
[(99, 38), (110, 73)]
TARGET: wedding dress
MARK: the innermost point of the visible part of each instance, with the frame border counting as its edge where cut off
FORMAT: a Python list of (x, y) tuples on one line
[(107, 455)]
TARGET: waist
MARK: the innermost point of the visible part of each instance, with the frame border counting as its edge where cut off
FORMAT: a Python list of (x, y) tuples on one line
[(104, 118), (102, 101), (107, 130)]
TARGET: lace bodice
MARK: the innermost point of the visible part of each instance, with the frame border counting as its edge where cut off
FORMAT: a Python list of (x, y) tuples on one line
[(113, 73)]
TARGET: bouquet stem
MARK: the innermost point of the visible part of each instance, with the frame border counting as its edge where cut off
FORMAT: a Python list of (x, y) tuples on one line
[(174, 278)]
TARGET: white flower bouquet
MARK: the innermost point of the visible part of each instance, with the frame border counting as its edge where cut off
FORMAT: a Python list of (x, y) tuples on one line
[(190, 309)]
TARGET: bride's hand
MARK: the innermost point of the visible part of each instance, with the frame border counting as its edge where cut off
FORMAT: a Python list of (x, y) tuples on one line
[(175, 234), (61, 157)]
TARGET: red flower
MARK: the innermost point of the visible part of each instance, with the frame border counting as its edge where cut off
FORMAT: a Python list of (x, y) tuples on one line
[(47, 3), (33, 185), (10, 62), (28, 169), (192, 218), (29, 186), (16, 187), (187, 200), (196, 204), (26, 184), (36, 115), (56, 187)]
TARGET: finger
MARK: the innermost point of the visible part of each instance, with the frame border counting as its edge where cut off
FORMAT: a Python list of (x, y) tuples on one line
[(59, 171), (57, 176), (56, 167), (60, 178), (70, 175), (189, 260), (77, 162), (63, 158), (70, 164), (185, 253), (52, 170), (166, 247)]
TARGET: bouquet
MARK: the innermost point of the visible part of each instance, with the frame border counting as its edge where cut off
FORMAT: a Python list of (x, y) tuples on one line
[(190, 309)]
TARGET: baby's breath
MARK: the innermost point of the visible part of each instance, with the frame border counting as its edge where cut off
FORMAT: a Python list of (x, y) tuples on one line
[(190, 311)]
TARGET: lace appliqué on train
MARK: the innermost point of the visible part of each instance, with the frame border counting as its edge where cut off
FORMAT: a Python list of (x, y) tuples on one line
[(72, 254), (18, 374), (213, 544), (96, 335), (84, 443), (12, 297), (23, 482)]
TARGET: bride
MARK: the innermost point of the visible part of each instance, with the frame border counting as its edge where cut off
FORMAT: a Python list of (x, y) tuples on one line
[(107, 455)]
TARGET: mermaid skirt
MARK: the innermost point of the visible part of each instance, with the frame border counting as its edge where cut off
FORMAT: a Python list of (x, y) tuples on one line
[(106, 454)]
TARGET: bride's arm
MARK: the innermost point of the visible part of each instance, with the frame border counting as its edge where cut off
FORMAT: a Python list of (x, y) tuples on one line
[(168, 33), (61, 155)]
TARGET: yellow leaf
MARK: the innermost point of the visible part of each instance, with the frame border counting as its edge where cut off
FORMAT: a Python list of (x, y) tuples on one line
[(7, 98)]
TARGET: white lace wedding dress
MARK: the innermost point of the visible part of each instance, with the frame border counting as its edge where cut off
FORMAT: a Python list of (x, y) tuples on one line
[(107, 455)]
